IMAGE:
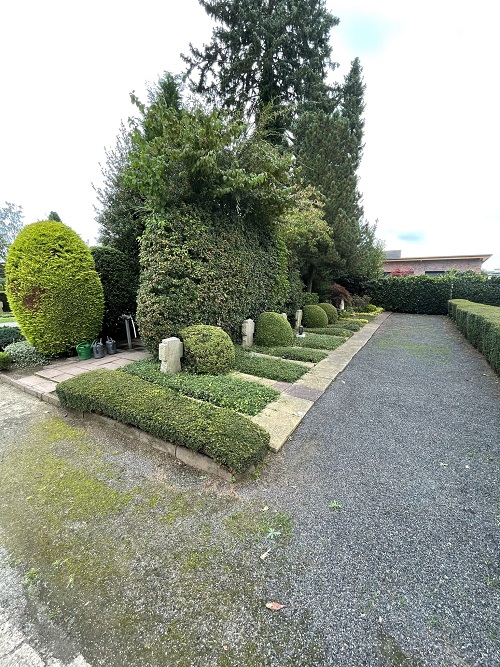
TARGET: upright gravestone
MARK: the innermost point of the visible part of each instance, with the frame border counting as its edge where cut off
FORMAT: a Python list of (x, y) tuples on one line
[(170, 353), (298, 318), (247, 331)]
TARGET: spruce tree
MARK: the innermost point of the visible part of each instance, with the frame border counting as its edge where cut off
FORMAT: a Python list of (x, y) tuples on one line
[(266, 56)]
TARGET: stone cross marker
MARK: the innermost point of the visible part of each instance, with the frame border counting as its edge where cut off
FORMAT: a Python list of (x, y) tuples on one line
[(298, 318), (247, 331), (170, 352)]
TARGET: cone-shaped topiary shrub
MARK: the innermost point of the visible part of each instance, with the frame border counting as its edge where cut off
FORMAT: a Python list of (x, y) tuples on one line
[(120, 286), (271, 329), (207, 350), (53, 288), (331, 312), (314, 317)]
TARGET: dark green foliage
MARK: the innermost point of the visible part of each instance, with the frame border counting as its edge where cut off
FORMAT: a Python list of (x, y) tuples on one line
[(24, 355), (266, 55), (119, 283), (225, 436), (350, 325), (5, 361), (226, 392), (54, 291), (9, 335), (430, 295), (5, 301), (53, 215), (271, 329), (309, 299), (331, 312), (319, 342), (330, 331), (480, 324), (314, 316), (207, 350), (295, 353), (274, 369), (201, 269)]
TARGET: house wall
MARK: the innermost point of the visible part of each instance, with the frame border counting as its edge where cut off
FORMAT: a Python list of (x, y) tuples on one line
[(420, 267)]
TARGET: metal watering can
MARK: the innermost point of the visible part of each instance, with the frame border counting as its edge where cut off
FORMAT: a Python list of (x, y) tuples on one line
[(98, 349), (110, 346)]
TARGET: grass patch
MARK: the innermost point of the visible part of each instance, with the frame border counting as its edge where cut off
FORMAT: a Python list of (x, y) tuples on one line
[(274, 369), (224, 391), (295, 353), (6, 318), (321, 342), (230, 439)]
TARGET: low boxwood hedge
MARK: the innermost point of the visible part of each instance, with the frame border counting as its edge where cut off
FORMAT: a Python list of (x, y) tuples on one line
[(350, 325), (330, 331), (274, 369), (319, 342), (295, 353), (5, 361), (480, 324), (222, 390), (228, 438), (207, 350)]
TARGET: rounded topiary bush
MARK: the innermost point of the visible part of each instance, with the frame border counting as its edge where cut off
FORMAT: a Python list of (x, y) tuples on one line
[(207, 350), (314, 317), (331, 312), (271, 329), (53, 288), (24, 355), (120, 285)]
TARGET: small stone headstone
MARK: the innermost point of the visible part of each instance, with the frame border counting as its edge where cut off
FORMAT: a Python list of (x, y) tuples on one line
[(298, 319), (170, 353), (285, 316), (342, 305), (247, 331)]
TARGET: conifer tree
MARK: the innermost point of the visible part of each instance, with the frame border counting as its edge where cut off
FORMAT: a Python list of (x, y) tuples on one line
[(266, 56)]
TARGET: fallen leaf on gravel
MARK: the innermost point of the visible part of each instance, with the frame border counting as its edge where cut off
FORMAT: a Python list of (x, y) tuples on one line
[(274, 606), (265, 554)]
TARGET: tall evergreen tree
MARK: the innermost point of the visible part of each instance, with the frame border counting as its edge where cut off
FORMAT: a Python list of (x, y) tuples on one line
[(352, 109), (266, 56)]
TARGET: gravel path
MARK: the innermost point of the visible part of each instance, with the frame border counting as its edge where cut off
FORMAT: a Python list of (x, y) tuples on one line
[(406, 440), (376, 526)]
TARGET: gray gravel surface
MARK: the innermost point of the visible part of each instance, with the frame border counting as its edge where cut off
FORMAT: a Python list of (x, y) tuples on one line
[(376, 526), (406, 440)]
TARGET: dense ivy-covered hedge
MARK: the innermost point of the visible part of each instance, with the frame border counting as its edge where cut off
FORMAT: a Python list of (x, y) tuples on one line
[(207, 350), (203, 269), (54, 291), (430, 295), (480, 324), (119, 283), (271, 329), (227, 437)]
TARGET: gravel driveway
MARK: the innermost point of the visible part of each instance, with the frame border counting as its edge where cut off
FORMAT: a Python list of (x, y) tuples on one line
[(376, 526)]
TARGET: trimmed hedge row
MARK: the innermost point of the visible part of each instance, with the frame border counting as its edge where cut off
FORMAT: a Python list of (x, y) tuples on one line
[(480, 324), (430, 295), (225, 436)]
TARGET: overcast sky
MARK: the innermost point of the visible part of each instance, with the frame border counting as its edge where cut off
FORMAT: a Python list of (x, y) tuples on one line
[(431, 168)]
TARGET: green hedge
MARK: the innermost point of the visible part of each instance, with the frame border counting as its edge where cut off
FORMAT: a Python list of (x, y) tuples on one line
[(314, 316), (207, 350), (331, 312), (274, 369), (9, 335), (295, 353), (271, 329), (54, 291), (318, 342), (430, 295), (5, 361), (198, 268), (330, 331), (230, 439), (480, 324)]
